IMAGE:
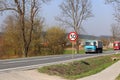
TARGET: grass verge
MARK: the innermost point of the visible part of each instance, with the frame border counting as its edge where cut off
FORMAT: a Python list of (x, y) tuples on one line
[(79, 69), (70, 51), (118, 78), (81, 51)]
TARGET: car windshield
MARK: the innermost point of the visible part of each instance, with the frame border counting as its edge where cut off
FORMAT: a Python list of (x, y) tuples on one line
[(90, 43), (116, 44)]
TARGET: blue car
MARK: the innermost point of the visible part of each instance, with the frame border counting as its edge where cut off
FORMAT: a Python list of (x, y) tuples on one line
[(93, 46)]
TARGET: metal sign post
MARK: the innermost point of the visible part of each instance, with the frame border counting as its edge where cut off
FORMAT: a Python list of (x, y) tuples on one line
[(73, 50), (72, 36)]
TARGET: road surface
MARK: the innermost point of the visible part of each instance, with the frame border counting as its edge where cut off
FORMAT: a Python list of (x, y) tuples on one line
[(35, 62)]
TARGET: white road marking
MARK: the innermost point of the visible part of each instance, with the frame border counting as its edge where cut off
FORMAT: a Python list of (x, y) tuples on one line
[(32, 60)]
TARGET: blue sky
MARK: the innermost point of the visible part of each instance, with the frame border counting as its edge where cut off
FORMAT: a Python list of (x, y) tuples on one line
[(98, 25)]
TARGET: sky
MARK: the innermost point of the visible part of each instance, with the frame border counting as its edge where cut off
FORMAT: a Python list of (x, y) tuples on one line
[(99, 24)]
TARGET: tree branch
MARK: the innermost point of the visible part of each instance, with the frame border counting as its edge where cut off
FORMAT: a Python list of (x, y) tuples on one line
[(9, 9)]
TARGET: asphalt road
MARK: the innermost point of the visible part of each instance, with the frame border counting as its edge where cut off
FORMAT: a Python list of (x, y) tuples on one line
[(35, 62)]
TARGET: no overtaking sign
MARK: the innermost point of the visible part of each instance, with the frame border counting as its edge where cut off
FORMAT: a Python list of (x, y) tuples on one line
[(72, 36)]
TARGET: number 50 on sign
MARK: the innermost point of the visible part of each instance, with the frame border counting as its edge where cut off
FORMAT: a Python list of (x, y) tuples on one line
[(72, 36)]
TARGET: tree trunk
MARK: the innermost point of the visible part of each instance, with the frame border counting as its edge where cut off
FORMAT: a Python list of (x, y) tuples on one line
[(26, 51)]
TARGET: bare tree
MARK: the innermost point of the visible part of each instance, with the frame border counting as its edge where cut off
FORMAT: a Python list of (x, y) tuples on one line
[(115, 28), (111, 1), (117, 12), (23, 8), (74, 13), (116, 6)]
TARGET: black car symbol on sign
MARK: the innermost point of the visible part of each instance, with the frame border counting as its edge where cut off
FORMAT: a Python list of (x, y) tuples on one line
[(72, 36)]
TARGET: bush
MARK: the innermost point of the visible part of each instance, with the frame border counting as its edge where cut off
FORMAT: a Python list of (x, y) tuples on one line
[(56, 38)]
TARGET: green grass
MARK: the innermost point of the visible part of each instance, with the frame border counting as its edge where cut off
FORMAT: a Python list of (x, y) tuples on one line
[(118, 78), (70, 51), (109, 49), (79, 69)]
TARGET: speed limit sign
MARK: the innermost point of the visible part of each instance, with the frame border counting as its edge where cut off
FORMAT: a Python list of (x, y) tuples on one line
[(72, 36)]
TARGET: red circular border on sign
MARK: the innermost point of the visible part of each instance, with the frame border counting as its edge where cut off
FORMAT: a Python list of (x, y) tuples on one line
[(75, 34)]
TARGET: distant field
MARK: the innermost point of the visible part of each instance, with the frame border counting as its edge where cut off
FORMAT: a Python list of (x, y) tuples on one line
[(79, 69)]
